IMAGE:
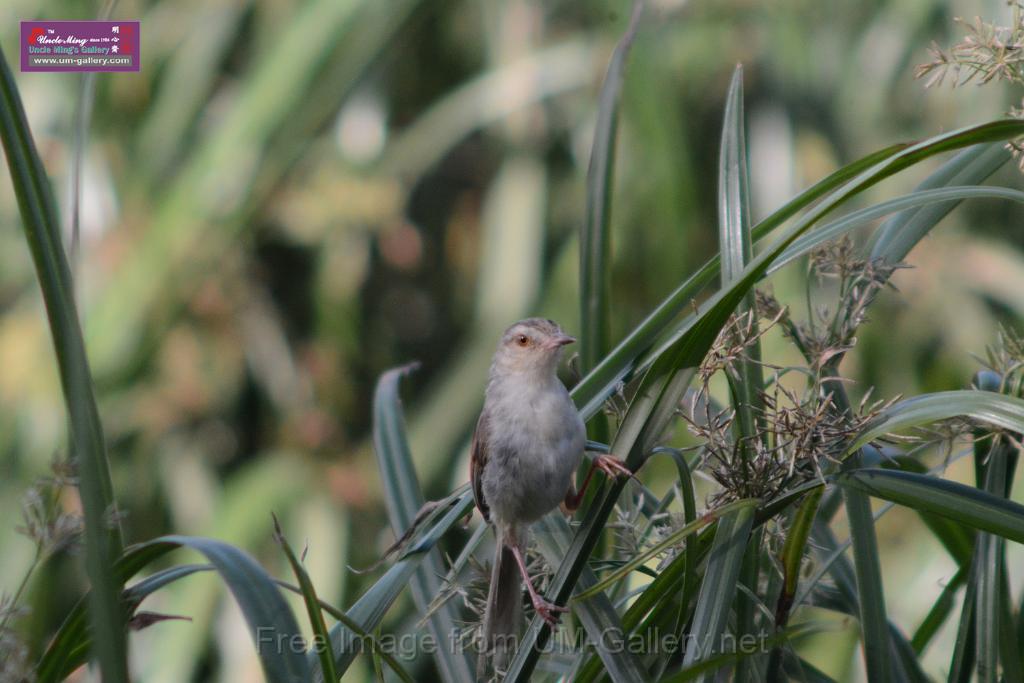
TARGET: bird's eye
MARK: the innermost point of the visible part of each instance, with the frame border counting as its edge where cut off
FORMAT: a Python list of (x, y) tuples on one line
[(522, 340)]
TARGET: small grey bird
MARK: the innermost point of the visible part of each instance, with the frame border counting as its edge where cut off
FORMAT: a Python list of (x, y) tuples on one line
[(528, 443)]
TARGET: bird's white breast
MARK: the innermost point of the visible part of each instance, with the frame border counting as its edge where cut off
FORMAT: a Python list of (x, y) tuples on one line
[(536, 442)]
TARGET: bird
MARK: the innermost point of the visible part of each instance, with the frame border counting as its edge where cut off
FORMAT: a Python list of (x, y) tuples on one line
[(528, 443)]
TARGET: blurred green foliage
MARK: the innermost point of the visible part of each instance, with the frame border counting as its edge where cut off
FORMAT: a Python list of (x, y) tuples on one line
[(290, 198)]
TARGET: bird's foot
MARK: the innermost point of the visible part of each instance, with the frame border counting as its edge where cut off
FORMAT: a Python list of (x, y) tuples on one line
[(612, 466), (548, 611)]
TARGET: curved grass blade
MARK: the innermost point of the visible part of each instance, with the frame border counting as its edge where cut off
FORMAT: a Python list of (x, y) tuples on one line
[(685, 343), (898, 235), (321, 639), (719, 587), (957, 539), (271, 622), (404, 500), (917, 199), (999, 410), (70, 645), (965, 504), (42, 231), (595, 243), (371, 607), (591, 392)]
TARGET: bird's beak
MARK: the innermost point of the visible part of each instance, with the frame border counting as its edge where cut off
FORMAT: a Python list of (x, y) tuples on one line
[(560, 340)]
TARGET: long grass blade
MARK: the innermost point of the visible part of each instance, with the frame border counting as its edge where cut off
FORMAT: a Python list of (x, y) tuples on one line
[(719, 587), (271, 622), (745, 376), (965, 504), (852, 179), (939, 612), (321, 638), (595, 241), (793, 552), (746, 379), (42, 231), (1006, 412), (917, 199), (404, 500), (595, 387), (874, 624)]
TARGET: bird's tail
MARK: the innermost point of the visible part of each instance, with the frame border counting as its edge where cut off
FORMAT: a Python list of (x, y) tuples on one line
[(504, 613)]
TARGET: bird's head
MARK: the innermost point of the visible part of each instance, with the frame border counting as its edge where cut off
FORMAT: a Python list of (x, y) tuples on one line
[(533, 345)]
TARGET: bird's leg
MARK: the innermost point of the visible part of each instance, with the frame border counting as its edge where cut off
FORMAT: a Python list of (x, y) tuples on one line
[(611, 466), (541, 606)]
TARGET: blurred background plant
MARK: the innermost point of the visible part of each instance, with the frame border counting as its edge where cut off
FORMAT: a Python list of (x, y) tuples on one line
[(290, 198)]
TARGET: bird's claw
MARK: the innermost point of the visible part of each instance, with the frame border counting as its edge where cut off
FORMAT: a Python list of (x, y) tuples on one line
[(544, 610), (613, 467)]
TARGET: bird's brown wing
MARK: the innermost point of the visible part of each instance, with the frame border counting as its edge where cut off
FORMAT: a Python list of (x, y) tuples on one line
[(477, 463)]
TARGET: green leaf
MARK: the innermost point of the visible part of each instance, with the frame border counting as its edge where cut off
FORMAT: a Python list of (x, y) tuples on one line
[(998, 410), (673, 539), (591, 392), (793, 552), (371, 607), (598, 615), (595, 242), (321, 639), (745, 376), (42, 231), (959, 502), (679, 578), (957, 539), (874, 624), (940, 611), (719, 586), (271, 622), (897, 236), (790, 636), (917, 199), (404, 500), (688, 342)]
